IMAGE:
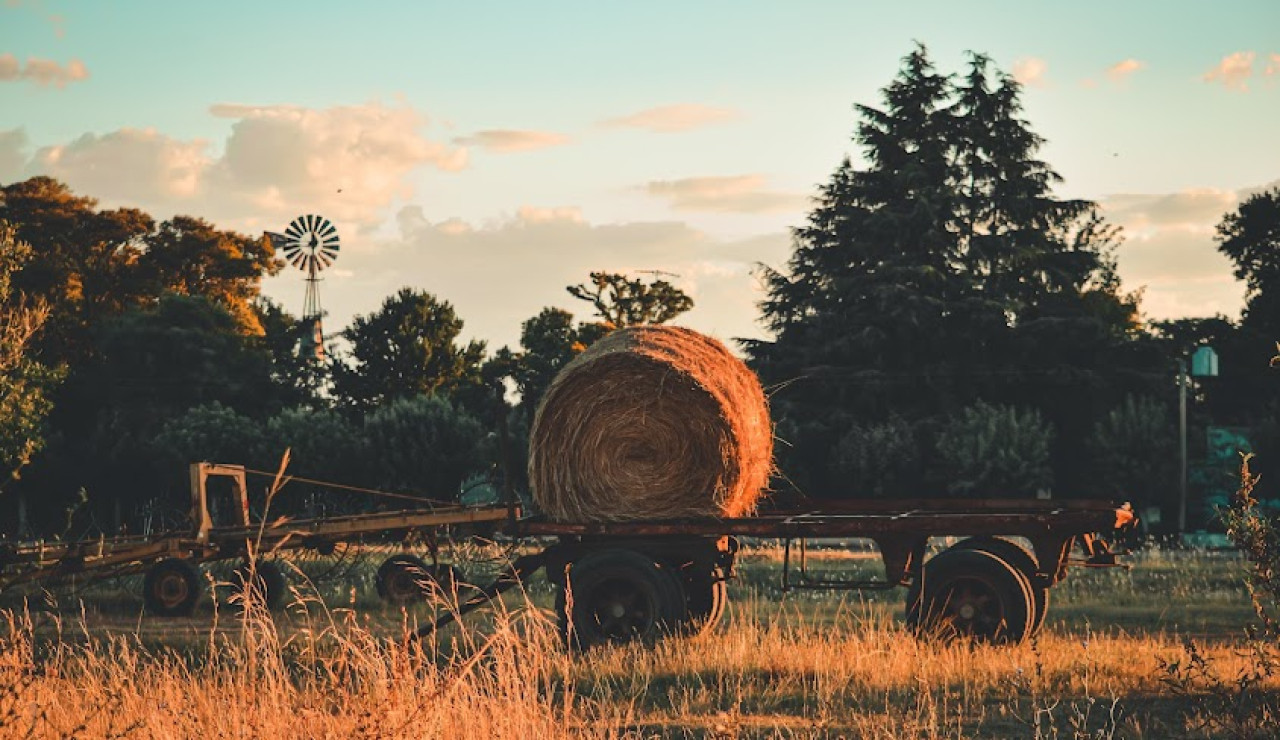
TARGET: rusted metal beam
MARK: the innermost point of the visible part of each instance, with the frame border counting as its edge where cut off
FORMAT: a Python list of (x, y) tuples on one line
[(931, 523)]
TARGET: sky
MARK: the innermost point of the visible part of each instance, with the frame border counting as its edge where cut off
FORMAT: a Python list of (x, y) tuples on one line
[(494, 153)]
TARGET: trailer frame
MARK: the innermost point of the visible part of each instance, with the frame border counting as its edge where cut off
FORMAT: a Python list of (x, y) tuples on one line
[(110, 557), (700, 553)]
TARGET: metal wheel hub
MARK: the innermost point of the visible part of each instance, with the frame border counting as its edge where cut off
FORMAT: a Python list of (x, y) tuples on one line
[(172, 589), (621, 610), (974, 607)]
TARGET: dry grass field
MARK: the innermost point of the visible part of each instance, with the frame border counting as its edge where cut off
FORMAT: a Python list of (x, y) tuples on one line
[(803, 664)]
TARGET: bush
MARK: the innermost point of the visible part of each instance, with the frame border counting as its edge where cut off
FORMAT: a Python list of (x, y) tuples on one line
[(994, 451), (1131, 449), (424, 445), (323, 446), (879, 460), (209, 433)]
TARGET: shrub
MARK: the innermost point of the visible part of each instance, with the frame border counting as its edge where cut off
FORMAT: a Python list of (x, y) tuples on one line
[(991, 451), (1131, 449), (879, 459), (424, 445)]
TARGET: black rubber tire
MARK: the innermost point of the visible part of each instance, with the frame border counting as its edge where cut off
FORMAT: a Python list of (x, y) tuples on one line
[(404, 579), (270, 585), (706, 601), (1024, 562), (970, 594), (172, 587), (619, 596)]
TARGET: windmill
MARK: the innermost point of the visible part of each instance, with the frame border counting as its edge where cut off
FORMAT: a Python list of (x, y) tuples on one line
[(310, 243)]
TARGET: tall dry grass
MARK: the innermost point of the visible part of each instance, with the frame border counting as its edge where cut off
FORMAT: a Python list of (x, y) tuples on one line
[(332, 680), (795, 665), (772, 671)]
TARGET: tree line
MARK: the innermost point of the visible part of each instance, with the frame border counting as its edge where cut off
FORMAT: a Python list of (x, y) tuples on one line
[(946, 325)]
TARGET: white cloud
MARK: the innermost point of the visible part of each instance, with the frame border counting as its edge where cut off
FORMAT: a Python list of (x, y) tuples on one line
[(13, 154), (505, 141), (1233, 71), (1189, 209), (42, 72), (731, 194), (132, 165), (673, 118), (499, 273), (1169, 249), (348, 163), (1121, 71), (1031, 71)]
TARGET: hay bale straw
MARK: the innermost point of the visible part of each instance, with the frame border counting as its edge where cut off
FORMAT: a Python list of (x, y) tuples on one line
[(651, 422)]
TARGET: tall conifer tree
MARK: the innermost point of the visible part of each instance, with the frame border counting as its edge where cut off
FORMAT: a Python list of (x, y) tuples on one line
[(942, 272)]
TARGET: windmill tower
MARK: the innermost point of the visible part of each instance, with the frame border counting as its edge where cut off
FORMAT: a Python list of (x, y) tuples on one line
[(310, 243)]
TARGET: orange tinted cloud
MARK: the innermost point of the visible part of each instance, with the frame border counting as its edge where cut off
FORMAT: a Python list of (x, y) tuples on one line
[(42, 72), (1233, 71), (505, 140), (1122, 70), (673, 118), (1030, 71)]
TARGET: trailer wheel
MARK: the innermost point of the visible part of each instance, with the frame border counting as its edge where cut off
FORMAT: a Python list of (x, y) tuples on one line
[(617, 596), (707, 599), (171, 588), (970, 594), (402, 579), (1022, 561), (269, 586)]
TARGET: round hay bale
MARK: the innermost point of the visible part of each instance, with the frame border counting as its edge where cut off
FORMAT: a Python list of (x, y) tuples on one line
[(651, 422)]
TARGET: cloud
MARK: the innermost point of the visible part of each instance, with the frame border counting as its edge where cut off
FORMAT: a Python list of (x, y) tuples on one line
[(725, 194), (348, 163), (13, 154), (1030, 71), (351, 161), (1169, 248), (1273, 66), (673, 118), (504, 141), (1121, 71), (133, 165), (1190, 209), (1233, 71), (501, 272), (42, 72)]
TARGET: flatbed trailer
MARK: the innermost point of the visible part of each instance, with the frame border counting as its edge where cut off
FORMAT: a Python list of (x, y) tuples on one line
[(171, 560), (620, 581), (638, 580)]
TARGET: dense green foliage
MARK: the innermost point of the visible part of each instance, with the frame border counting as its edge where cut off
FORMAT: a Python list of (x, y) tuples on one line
[(880, 459), (1134, 450), (990, 451), (424, 444), (405, 349)]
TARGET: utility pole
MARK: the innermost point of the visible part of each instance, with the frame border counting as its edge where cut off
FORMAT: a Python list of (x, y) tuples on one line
[(1204, 364), (1182, 445)]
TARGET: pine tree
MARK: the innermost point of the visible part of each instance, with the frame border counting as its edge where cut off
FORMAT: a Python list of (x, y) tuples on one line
[(941, 273)]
